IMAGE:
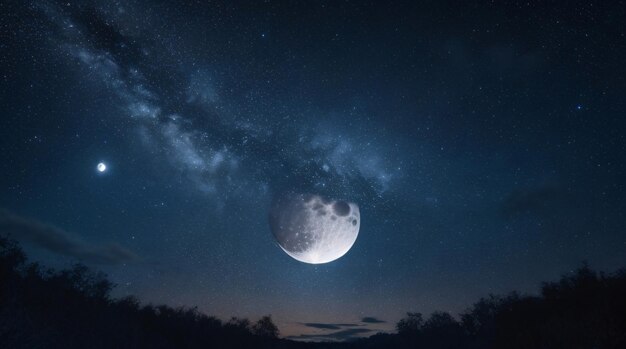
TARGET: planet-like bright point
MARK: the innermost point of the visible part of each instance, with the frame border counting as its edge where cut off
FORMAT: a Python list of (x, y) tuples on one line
[(101, 167), (313, 229)]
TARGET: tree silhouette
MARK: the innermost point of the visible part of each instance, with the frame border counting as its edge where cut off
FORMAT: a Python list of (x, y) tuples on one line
[(411, 325), (265, 327), (41, 308), (441, 330)]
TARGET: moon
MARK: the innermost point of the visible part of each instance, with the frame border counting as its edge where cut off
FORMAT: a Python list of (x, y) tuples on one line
[(313, 229), (101, 167)]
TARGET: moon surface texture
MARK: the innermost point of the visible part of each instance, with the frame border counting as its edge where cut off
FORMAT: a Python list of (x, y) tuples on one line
[(313, 229), (102, 167)]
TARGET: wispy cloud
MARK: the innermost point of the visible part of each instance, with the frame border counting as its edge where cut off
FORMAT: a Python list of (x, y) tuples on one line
[(327, 326), (343, 335), (338, 331), (372, 320), (61, 242)]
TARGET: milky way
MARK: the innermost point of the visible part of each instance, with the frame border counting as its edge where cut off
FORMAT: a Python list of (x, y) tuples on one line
[(483, 143), (221, 140)]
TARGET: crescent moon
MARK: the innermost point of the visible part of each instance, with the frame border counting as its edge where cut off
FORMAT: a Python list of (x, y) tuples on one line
[(312, 229)]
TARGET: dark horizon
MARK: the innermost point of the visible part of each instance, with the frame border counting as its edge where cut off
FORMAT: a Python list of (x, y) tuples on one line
[(335, 164), (74, 308)]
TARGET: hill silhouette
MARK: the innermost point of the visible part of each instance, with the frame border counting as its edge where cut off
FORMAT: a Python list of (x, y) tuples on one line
[(43, 308)]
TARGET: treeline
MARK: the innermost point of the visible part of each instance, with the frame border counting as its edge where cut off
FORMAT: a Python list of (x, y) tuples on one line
[(42, 308), (583, 310)]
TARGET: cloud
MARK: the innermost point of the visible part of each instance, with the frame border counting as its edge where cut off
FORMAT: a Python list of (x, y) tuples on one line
[(338, 331), (343, 335), (61, 242), (327, 326), (372, 320)]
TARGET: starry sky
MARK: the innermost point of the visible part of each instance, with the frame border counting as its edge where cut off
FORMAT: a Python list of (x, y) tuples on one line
[(483, 141)]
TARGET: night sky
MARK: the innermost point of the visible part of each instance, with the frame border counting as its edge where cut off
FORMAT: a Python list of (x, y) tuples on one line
[(484, 144)]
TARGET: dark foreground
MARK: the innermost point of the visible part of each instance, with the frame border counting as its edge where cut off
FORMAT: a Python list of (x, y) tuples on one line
[(41, 308)]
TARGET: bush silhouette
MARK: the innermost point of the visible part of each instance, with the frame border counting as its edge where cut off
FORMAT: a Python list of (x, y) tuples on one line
[(265, 327), (41, 308)]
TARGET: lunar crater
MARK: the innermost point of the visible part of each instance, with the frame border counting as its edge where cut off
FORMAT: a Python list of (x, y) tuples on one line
[(341, 208)]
